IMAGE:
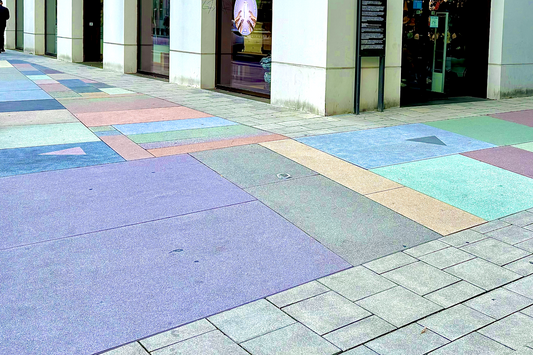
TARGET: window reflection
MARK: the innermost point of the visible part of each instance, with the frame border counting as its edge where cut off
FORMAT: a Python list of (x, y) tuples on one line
[(154, 36)]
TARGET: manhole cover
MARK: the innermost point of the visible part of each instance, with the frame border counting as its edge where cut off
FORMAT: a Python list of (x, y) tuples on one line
[(283, 176)]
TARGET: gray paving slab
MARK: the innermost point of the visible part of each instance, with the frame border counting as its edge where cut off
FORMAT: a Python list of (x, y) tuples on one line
[(212, 343), (473, 344), (495, 251), (359, 332), (360, 350), (490, 226), (407, 341), (421, 278), (525, 350), (511, 234), (399, 306), (456, 322), (446, 257), (528, 312), (483, 274), (523, 266), (527, 245), (523, 287), (390, 262), (356, 228), (176, 335), (499, 303), (326, 312), (251, 165), (129, 349), (292, 340), (514, 331), (454, 294), (426, 248), (251, 320), (356, 283), (519, 219), (298, 294), (463, 238)]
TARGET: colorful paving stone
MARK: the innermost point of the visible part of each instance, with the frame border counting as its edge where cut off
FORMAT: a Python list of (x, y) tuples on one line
[(475, 187), (393, 145), (30, 105), (169, 126), (517, 160), (521, 117), (24, 95), (138, 116), (133, 102)]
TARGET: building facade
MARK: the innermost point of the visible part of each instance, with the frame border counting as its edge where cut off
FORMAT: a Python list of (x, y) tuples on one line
[(298, 53)]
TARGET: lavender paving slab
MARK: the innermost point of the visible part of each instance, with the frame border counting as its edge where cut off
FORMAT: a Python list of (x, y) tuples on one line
[(30, 105), (351, 225), (520, 117), (24, 95), (16, 85), (133, 102), (89, 293), (509, 158), (36, 159), (91, 199), (176, 125)]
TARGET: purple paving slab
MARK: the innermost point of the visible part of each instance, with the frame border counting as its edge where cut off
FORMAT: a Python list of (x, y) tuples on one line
[(86, 294), (509, 158), (521, 117), (75, 201)]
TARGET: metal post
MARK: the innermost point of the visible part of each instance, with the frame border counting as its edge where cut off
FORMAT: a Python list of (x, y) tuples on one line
[(358, 58), (381, 90)]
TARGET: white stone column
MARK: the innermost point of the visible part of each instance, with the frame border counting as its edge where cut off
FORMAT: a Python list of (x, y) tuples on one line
[(70, 30), (193, 43), (34, 26), (314, 57), (511, 49), (120, 35), (10, 28)]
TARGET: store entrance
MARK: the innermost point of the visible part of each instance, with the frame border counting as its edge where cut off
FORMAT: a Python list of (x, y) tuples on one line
[(445, 51), (93, 30), (154, 37)]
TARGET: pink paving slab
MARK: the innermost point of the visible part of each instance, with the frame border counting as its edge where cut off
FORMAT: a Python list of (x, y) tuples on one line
[(45, 82), (92, 119), (132, 102), (54, 87), (226, 143), (520, 117), (23, 66), (126, 148), (89, 81)]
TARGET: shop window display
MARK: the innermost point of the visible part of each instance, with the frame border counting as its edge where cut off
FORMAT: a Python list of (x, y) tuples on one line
[(244, 45)]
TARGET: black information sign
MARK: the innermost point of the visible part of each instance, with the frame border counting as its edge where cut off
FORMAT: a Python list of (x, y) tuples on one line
[(373, 27)]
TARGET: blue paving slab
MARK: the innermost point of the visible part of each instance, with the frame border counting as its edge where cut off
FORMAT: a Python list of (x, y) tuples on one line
[(86, 294), (393, 145), (30, 105), (176, 125), (108, 133), (16, 85), (30, 160), (85, 89), (32, 72), (73, 83), (18, 61), (101, 85), (24, 95), (75, 201)]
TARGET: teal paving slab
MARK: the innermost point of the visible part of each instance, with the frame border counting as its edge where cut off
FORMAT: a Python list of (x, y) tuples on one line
[(251, 165), (46, 158), (351, 225), (18, 85), (24, 95), (481, 189)]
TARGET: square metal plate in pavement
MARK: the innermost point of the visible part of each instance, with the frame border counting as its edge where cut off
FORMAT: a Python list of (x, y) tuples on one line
[(86, 294), (64, 203), (353, 226), (251, 165), (481, 189), (393, 145)]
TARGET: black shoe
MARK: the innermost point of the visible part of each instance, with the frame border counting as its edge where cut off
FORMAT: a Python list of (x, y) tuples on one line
[(2, 50)]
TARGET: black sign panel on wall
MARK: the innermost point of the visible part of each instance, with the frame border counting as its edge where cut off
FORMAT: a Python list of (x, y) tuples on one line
[(373, 28)]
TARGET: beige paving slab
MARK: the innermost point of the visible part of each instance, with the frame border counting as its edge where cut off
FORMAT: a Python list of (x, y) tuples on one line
[(24, 118), (5, 64), (126, 148), (344, 173), (432, 213)]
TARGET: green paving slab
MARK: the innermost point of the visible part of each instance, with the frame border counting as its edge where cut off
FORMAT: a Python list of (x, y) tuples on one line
[(102, 129), (50, 134), (487, 129), (475, 187), (251, 165), (351, 225), (214, 132), (63, 94), (525, 146)]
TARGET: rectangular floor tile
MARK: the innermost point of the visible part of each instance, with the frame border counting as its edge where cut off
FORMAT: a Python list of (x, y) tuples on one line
[(420, 278), (344, 173), (478, 188), (212, 343), (520, 219), (454, 294), (18, 85), (298, 294), (488, 129), (327, 211), (525, 146), (495, 251), (157, 275), (508, 158), (521, 117), (359, 332), (176, 125), (173, 336), (446, 257), (499, 303), (513, 331), (434, 214), (482, 274), (408, 340), (390, 262), (138, 116), (474, 343), (134, 102), (24, 95), (30, 105), (125, 147), (36, 118), (523, 267)]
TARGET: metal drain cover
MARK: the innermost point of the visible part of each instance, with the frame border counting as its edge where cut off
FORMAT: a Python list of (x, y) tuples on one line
[(283, 176)]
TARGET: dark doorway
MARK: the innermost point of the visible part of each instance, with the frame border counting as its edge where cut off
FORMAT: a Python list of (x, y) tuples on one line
[(50, 27), (154, 37), (19, 24), (93, 34), (445, 50)]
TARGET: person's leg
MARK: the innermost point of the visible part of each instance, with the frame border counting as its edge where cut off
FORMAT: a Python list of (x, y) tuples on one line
[(2, 30)]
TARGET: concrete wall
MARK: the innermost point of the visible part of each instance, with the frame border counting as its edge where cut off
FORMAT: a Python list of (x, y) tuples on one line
[(120, 35), (193, 43), (511, 49), (70, 30), (10, 28), (34, 26)]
